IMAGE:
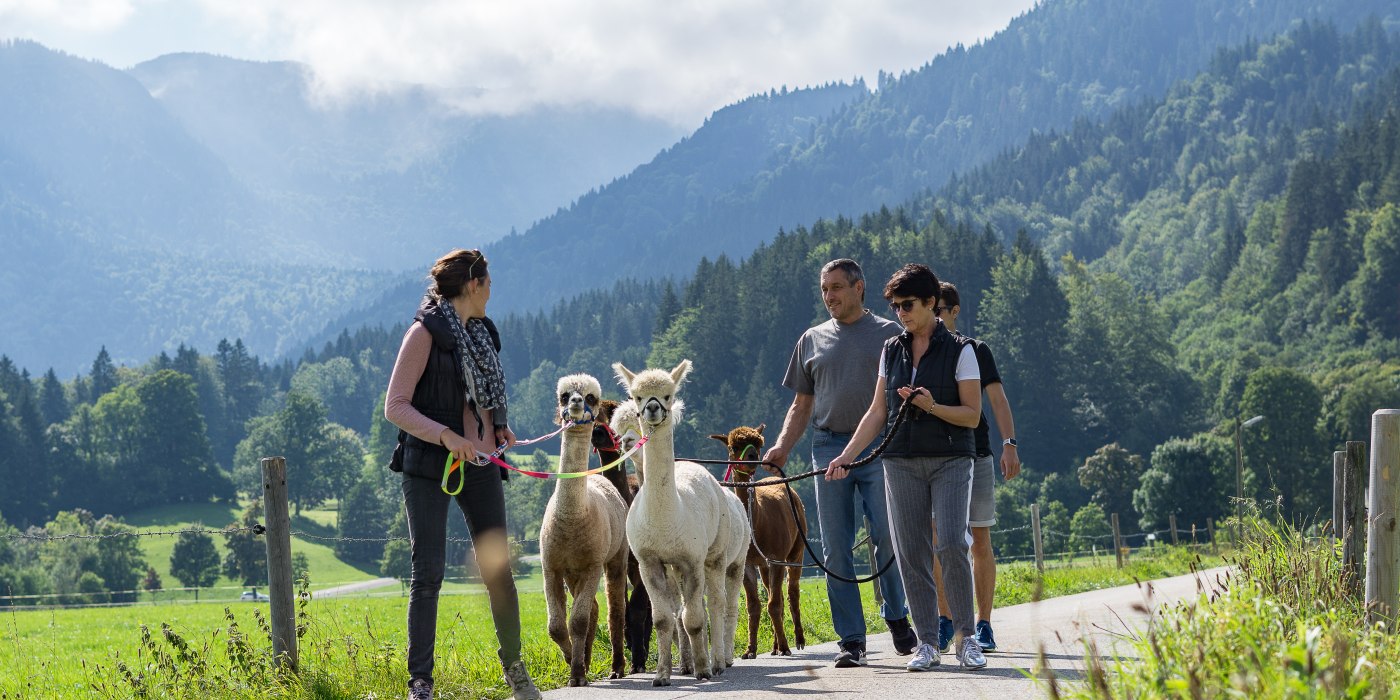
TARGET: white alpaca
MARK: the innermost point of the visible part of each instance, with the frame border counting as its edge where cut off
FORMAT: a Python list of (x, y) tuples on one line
[(627, 425), (583, 537), (690, 534)]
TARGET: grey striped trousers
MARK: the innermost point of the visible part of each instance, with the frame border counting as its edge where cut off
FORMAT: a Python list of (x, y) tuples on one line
[(915, 489)]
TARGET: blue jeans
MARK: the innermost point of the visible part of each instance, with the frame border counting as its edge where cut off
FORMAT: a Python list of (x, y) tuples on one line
[(836, 513)]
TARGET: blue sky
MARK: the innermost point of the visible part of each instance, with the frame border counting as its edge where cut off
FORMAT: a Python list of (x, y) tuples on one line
[(674, 59)]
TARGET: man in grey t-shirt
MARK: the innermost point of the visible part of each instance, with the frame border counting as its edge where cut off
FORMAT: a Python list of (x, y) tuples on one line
[(833, 372)]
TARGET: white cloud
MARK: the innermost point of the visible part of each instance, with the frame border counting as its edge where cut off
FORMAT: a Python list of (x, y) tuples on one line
[(78, 15), (678, 60)]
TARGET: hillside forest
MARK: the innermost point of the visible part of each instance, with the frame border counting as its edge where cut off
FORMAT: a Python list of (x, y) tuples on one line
[(1148, 281)]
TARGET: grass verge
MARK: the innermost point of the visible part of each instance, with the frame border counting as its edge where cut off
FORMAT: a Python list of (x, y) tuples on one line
[(354, 647), (1287, 625)]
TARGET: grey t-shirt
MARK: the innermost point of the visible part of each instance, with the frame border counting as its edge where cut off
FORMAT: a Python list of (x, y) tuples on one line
[(838, 364)]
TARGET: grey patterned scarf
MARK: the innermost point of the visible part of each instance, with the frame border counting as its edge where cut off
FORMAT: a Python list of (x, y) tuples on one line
[(481, 366)]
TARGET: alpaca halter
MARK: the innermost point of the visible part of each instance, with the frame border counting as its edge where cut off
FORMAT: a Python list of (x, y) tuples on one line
[(564, 416), (730, 471)]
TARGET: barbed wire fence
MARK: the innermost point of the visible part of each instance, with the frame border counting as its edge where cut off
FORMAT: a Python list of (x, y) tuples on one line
[(1075, 548), (1097, 545)]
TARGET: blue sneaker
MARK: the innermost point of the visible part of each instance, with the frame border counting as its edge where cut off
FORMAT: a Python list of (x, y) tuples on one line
[(945, 634), (984, 636)]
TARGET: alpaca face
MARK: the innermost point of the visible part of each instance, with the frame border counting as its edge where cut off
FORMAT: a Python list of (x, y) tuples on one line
[(745, 444), (578, 397), (626, 425), (654, 392)]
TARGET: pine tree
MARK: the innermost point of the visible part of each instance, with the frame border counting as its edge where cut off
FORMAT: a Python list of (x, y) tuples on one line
[(1024, 318), (104, 375)]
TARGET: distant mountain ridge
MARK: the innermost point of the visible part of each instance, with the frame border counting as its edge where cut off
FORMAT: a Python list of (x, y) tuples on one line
[(146, 204), (1062, 60), (384, 181), (140, 196)]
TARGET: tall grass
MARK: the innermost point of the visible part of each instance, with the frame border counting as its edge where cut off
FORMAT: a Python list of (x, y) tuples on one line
[(1286, 625), (354, 647)]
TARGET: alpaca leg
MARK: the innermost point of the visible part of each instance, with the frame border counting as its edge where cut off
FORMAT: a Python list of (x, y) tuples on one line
[(555, 603), (617, 612), (592, 630), (663, 615), (718, 619), (683, 642), (794, 586), (734, 578), (690, 578), (751, 602), (688, 660), (581, 626), (638, 620), (773, 582)]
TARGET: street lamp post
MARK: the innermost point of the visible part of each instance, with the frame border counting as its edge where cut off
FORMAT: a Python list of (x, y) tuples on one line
[(1239, 472)]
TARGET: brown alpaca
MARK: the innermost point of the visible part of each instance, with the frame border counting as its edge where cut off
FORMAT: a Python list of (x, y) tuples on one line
[(583, 539), (777, 535)]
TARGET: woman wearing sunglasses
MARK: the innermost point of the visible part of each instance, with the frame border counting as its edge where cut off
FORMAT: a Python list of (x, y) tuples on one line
[(448, 395), (928, 462)]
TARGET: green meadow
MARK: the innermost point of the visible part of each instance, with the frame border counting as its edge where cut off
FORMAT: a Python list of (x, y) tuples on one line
[(353, 647)]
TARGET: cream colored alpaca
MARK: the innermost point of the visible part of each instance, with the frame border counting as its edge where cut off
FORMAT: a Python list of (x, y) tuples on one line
[(583, 538), (627, 425), (690, 534)]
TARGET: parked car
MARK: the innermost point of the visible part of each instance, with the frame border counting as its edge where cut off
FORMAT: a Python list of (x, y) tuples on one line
[(253, 596)]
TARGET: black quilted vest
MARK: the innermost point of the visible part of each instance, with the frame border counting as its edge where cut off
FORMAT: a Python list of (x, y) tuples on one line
[(440, 394), (922, 434)]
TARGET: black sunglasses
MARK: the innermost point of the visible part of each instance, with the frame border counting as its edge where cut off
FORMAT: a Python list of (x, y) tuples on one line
[(907, 305)]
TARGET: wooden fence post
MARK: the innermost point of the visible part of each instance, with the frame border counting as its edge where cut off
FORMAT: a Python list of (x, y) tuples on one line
[(1171, 523), (1035, 532), (1354, 514), (1382, 546), (1117, 540), (1339, 462), (279, 562)]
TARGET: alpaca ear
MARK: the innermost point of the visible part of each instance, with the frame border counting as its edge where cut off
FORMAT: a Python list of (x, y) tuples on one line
[(760, 428), (624, 375), (722, 438), (678, 374)]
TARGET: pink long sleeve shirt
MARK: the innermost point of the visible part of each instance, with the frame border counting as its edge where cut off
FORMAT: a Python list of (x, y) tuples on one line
[(398, 402)]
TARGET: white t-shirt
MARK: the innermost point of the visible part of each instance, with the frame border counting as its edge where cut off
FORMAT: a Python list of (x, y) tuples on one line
[(967, 366)]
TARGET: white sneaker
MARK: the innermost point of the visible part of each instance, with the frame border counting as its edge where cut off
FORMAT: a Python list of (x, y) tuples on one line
[(970, 654), (925, 658)]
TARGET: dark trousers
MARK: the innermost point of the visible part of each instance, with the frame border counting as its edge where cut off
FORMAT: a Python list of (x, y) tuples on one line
[(482, 502)]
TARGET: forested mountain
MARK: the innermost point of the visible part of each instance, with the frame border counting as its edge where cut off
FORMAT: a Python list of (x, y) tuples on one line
[(1058, 62), (197, 197), (1248, 263)]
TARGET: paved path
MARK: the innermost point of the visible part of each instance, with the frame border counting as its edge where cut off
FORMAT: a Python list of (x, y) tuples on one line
[(1060, 624), (353, 588)]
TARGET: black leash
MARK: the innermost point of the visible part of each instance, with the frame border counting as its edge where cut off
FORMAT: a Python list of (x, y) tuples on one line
[(786, 481), (898, 421)]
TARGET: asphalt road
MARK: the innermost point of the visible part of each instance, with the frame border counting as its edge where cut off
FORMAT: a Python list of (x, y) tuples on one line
[(1059, 626)]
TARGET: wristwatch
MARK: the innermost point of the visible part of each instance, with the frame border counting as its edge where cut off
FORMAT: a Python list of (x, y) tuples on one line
[(1009, 442)]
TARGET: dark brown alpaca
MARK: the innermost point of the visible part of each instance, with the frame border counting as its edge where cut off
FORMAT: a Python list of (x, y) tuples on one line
[(776, 534), (639, 623)]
